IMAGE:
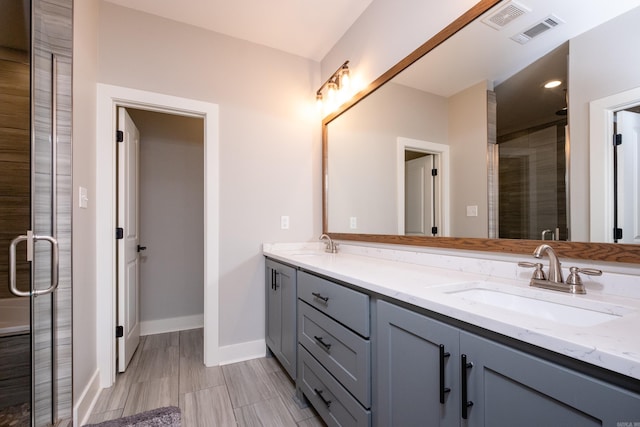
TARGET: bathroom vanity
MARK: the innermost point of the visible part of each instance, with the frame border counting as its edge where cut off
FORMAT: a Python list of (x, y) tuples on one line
[(387, 337)]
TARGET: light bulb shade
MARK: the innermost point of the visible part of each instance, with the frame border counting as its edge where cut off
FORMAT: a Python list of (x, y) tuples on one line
[(344, 77), (332, 87)]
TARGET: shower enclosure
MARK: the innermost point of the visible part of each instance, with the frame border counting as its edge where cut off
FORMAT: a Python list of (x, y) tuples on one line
[(35, 212)]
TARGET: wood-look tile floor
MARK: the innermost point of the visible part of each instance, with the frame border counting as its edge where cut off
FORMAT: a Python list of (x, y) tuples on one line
[(167, 370)]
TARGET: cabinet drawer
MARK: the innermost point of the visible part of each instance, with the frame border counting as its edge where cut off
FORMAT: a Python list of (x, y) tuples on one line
[(346, 355), (334, 404), (349, 307)]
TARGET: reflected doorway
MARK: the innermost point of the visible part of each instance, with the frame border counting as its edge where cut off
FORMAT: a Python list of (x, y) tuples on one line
[(423, 188), (420, 205), (626, 179)]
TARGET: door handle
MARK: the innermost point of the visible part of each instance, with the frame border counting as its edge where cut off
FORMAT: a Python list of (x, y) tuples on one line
[(141, 248), (31, 238)]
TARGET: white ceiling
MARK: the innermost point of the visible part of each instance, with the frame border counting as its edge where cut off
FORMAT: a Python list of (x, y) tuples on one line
[(308, 28)]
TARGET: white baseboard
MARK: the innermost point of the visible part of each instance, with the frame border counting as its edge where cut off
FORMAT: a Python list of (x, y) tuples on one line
[(87, 400), (160, 326), (243, 351)]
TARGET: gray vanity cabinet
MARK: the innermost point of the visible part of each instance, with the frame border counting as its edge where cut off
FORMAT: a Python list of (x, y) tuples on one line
[(490, 384), (417, 370), (509, 387), (281, 332)]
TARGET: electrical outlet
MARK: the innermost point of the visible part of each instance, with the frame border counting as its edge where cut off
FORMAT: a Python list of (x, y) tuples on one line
[(472, 210), (353, 222), (284, 222)]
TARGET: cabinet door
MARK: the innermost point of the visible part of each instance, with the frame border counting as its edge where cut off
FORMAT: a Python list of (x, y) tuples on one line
[(508, 387), (286, 279), (274, 309), (409, 367), (281, 316)]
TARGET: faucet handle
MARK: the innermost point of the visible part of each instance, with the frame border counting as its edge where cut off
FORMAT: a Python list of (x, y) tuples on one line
[(538, 272), (574, 277)]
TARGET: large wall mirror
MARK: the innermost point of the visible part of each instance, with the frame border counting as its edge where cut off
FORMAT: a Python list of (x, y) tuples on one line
[(461, 145)]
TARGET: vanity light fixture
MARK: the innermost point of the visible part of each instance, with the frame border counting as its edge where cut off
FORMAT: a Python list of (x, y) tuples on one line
[(333, 91), (552, 83)]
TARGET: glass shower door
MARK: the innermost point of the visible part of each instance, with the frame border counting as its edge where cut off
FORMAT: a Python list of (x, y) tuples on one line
[(15, 209)]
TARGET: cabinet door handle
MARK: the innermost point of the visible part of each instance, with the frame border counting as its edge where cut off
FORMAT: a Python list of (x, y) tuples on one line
[(275, 280), (466, 404), (443, 390), (320, 297), (325, 401), (322, 343)]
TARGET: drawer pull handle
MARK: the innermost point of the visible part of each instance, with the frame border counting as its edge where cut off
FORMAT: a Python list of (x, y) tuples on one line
[(322, 343), (443, 390), (325, 401), (319, 296), (466, 404)]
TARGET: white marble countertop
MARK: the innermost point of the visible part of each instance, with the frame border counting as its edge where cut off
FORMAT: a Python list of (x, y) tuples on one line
[(611, 344)]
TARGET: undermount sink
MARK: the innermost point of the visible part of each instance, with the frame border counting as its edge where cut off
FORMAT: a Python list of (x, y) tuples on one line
[(557, 312)]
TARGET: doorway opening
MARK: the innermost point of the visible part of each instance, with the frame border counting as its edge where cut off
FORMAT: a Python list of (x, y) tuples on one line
[(605, 218), (163, 226), (109, 98), (626, 180)]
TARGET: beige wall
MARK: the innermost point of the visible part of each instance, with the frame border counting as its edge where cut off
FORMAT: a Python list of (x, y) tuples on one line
[(85, 62), (468, 141), (269, 139)]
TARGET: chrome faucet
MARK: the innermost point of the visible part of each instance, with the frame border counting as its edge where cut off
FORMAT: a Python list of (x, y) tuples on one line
[(555, 270), (330, 246), (554, 279)]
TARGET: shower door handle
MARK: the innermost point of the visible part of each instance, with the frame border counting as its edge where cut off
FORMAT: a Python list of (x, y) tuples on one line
[(31, 238)]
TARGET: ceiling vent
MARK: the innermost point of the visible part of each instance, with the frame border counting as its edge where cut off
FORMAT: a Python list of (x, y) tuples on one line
[(541, 27), (505, 14)]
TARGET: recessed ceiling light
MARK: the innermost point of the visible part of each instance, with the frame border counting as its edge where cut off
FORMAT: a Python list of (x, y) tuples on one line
[(552, 83)]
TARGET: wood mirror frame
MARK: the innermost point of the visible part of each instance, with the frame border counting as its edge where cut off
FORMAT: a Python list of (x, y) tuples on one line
[(610, 252)]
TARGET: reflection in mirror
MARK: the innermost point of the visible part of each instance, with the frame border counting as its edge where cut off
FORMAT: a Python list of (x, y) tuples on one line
[(481, 95), (626, 182), (532, 161)]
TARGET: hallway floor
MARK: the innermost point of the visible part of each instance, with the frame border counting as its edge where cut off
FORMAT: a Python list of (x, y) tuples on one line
[(167, 370)]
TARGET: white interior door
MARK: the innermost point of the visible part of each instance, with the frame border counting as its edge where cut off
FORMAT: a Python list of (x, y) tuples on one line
[(628, 177), (128, 256), (419, 196)]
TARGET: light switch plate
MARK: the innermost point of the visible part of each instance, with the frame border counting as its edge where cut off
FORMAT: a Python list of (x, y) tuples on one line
[(472, 210), (83, 198), (353, 222)]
